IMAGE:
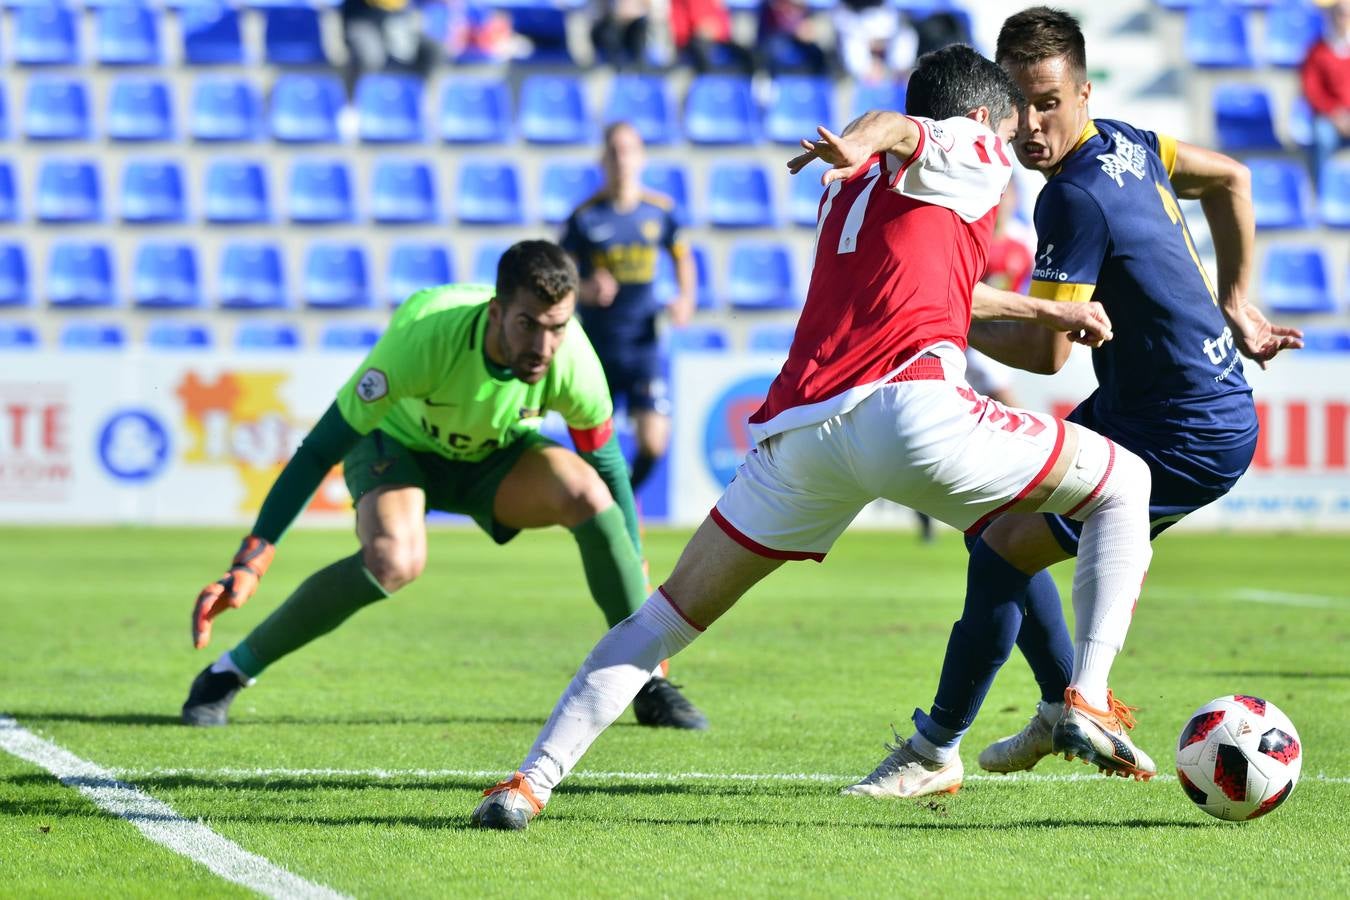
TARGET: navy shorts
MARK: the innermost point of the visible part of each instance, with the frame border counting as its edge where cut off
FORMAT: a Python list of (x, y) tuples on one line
[(637, 380), (1184, 479)]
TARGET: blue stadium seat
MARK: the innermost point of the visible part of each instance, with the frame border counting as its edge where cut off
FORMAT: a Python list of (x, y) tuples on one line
[(739, 196), (389, 109), (544, 25), (211, 35), (305, 108), (236, 192), (139, 109), (771, 337), (13, 275), (804, 192), (354, 338), (666, 286), (671, 179), (128, 35), (10, 210), (485, 260), (173, 334), (262, 335), (252, 277), (335, 277), (1291, 29), (18, 336), (164, 276), (1216, 37), (80, 273), (644, 102), (1300, 122), (1280, 193), (475, 111), (69, 191), (4, 115), (416, 265), (719, 109), (799, 104), (1335, 193), (152, 192), (1326, 340), (1243, 119), (878, 95), (320, 192), (225, 109), (760, 276), (403, 192), (56, 109), (552, 111), (291, 36), (565, 185), (82, 335), (489, 194), (1294, 280), (698, 338), (46, 35)]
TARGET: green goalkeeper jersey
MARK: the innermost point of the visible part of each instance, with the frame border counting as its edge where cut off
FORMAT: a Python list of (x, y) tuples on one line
[(429, 384)]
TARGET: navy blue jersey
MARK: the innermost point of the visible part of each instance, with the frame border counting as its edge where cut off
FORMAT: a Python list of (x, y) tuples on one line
[(627, 244), (1109, 229)]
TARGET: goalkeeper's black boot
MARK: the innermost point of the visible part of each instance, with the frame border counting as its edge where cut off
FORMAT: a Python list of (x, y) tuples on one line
[(660, 703), (210, 697)]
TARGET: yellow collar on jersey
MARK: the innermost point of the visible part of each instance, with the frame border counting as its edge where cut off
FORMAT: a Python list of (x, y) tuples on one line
[(1089, 132)]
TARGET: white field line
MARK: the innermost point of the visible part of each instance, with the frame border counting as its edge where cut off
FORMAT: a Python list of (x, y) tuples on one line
[(496, 774), (156, 819)]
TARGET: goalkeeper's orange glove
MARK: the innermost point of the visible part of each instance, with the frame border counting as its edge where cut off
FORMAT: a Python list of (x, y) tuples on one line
[(234, 589)]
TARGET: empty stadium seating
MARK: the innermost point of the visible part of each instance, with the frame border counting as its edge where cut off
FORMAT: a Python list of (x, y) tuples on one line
[(389, 109), (265, 335), (644, 102), (1294, 279), (1291, 28), (339, 336), (475, 111), (671, 179), (128, 35), (335, 277), (553, 111), (1281, 193), (13, 275), (225, 109), (237, 192), (320, 193), (1217, 36), (304, 108), (140, 109), (1335, 194), (251, 277), (698, 338), (760, 276), (69, 191), (211, 35), (80, 334), (403, 192), (173, 334), (1243, 119), (164, 276), (18, 336), (415, 265), (719, 109), (152, 192), (80, 274), (489, 194), (739, 196), (45, 35), (291, 36), (799, 104), (564, 186), (56, 108)]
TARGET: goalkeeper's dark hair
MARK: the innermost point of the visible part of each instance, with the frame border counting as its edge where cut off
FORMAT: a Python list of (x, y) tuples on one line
[(540, 267), (955, 80), (1040, 33)]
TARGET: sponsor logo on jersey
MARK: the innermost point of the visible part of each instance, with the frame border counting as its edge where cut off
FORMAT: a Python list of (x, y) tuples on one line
[(1046, 270), (1128, 157), (372, 386)]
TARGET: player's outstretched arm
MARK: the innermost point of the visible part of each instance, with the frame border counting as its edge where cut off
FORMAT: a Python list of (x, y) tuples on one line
[(1030, 333), (325, 445), (871, 133), (1224, 188)]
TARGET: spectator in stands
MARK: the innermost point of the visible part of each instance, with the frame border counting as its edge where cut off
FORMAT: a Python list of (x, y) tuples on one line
[(615, 237), (701, 32), (876, 42), (1326, 84), (384, 35), (787, 38), (620, 32), (477, 33)]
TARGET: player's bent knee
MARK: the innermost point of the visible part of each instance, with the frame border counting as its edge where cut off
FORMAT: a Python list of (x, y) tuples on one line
[(585, 495), (1102, 472), (394, 564)]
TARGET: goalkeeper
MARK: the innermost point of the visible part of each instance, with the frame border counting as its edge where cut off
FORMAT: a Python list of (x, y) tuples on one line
[(445, 413)]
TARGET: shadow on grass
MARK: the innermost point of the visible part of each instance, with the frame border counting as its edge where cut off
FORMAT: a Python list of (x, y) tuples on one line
[(1294, 676), (249, 720)]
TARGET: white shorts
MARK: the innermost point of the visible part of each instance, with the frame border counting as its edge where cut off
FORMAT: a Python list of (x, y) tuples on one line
[(986, 374), (927, 441)]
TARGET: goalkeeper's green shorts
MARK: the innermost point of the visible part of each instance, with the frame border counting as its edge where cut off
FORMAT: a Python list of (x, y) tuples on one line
[(468, 488)]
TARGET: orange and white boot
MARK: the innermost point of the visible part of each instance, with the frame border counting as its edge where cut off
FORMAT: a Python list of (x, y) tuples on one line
[(508, 805), (1099, 737)]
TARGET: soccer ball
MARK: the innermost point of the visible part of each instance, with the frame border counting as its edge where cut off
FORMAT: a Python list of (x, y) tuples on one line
[(1238, 757)]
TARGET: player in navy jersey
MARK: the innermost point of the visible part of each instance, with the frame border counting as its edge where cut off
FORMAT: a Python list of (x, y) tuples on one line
[(1171, 387), (616, 236)]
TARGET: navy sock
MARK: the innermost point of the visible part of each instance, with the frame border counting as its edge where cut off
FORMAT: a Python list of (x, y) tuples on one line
[(1044, 638), (981, 641)]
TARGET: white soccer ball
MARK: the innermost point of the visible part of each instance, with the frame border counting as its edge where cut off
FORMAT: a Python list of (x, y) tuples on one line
[(1238, 757)]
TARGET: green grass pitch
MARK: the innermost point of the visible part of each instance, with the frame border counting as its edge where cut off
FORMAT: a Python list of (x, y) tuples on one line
[(355, 763)]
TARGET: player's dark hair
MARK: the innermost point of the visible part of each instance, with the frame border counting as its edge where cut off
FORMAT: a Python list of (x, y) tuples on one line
[(540, 267), (1040, 33), (956, 79)]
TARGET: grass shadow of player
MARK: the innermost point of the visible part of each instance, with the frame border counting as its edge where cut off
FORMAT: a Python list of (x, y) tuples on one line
[(251, 720)]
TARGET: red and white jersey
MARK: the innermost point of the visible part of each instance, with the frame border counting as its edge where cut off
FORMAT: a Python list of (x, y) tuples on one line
[(899, 248)]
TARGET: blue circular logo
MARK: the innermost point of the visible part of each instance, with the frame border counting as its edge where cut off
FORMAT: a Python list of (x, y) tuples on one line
[(726, 436), (133, 445)]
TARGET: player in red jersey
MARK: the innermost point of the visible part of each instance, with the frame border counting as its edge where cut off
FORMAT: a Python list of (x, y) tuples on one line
[(871, 403)]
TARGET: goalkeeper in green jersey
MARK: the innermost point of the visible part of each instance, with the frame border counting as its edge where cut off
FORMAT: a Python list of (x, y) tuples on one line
[(445, 413)]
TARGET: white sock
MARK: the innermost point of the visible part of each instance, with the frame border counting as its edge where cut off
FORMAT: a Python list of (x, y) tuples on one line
[(603, 687), (1113, 557), (226, 664)]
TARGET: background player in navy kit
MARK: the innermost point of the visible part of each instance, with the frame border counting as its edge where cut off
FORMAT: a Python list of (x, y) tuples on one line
[(1171, 387), (616, 236)]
